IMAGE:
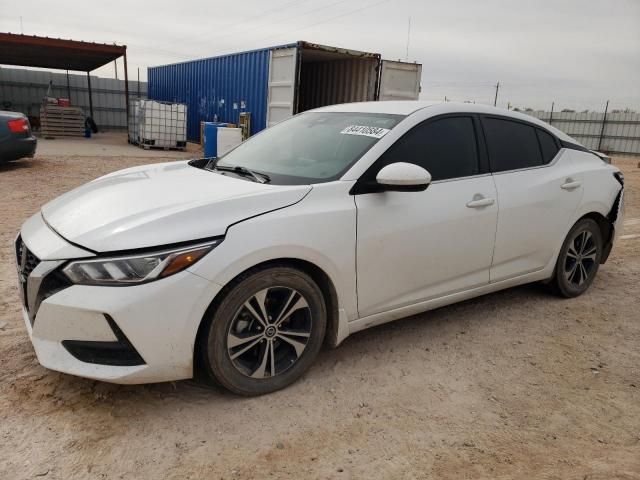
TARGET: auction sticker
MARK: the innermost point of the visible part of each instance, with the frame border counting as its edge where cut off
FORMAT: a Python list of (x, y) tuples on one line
[(374, 132)]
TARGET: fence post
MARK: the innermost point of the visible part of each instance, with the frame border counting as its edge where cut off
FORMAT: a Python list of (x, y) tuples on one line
[(604, 122)]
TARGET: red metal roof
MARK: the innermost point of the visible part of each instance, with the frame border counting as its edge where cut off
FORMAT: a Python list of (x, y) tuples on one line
[(45, 52)]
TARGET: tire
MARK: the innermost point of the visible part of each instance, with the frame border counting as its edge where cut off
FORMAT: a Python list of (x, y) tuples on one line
[(249, 354), (579, 259)]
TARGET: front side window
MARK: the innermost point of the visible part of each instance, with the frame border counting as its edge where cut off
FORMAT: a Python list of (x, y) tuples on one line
[(313, 147), (445, 147), (512, 145)]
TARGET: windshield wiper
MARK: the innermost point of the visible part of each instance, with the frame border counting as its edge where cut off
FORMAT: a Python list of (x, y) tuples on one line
[(241, 171)]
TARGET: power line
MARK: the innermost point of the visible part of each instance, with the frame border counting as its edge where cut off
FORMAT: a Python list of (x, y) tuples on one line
[(345, 14), (292, 17), (260, 28), (231, 25), (350, 12)]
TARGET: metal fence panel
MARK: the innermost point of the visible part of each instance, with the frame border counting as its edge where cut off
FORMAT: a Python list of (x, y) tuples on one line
[(621, 133), (22, 90)]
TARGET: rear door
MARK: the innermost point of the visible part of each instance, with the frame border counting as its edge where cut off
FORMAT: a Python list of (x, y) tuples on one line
[(399, 81), (282, 84), (539, 190)]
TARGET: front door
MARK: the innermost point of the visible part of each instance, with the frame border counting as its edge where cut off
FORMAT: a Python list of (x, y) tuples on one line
[(417, 246)]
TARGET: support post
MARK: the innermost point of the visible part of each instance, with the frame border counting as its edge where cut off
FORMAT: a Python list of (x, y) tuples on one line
[(68, 88), (90, 95), (604, 123), (126, 88)]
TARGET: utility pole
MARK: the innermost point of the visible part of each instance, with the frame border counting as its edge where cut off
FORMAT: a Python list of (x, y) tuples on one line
[(408, 40), (553, 104), (495, 100)]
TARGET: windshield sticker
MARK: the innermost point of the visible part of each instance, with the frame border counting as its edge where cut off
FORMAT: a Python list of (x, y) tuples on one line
[(374, 132)]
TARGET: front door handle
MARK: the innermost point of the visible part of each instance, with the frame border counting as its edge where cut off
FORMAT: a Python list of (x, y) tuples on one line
[(480, 202), (570, 184)]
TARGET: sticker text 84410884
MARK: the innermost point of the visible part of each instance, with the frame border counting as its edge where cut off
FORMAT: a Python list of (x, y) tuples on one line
[(375, 132)]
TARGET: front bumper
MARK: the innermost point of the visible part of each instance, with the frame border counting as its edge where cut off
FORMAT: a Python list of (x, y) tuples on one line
[(160, 320), (131, 334)]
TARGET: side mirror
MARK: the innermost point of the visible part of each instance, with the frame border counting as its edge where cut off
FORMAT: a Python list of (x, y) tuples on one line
[(404, 177)]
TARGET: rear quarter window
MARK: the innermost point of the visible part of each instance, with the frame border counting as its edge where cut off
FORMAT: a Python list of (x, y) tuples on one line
[(548, 145)]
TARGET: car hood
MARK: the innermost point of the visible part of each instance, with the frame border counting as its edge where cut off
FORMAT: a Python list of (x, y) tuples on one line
[(161, 204)]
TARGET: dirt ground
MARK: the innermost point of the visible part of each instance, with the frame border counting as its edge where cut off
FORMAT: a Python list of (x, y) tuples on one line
[(518, 384)]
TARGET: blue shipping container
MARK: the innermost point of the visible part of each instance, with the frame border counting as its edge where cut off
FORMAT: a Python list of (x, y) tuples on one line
[(278, 82), (217, 88)]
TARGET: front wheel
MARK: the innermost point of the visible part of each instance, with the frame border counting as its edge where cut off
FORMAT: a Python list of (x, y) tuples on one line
[(266, 332), (579, 259)]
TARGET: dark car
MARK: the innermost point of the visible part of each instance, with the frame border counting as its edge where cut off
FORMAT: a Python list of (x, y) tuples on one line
[(16, 139)]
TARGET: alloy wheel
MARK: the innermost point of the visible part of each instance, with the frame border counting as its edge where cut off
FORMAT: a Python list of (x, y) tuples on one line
[(580, 261), (269, 332)]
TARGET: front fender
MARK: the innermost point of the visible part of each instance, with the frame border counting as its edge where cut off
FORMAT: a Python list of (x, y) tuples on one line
[(321, 229)]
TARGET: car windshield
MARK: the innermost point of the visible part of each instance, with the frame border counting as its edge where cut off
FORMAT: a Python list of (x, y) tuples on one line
[(313, 147)]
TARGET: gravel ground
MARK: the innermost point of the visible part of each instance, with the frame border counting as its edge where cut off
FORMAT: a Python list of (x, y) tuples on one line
[(517, 384)]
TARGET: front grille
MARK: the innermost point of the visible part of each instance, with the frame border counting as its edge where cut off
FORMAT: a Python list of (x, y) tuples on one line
[(27, 262), (45, 283)]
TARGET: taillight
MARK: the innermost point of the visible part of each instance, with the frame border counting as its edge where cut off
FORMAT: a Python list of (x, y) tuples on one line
[(19, 125)]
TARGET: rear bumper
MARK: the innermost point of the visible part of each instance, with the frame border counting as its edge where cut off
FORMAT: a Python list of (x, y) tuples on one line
[(15, 148), (616, 216)]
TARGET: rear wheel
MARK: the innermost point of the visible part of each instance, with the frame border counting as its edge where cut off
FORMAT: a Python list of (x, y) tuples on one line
[(266, 332), (579, 259)]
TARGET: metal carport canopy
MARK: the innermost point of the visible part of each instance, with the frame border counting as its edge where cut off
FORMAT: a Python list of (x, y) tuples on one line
[(45, 52)]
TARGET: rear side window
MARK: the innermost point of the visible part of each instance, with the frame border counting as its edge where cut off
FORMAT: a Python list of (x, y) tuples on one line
[(548, 145), (447, 148), (512, 145)]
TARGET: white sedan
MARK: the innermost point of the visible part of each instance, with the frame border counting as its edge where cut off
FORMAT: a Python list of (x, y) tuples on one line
[(239, 268)]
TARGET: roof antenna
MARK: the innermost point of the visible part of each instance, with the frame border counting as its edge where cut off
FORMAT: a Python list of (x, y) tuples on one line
[(408, 39)]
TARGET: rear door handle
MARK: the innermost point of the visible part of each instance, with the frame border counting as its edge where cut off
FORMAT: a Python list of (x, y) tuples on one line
[(570, 184), (481, 202)]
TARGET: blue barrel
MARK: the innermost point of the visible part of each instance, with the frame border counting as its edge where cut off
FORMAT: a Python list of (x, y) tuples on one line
[(211, 138)]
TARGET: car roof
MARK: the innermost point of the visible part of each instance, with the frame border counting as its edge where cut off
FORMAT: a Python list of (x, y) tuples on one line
[(407, 108)]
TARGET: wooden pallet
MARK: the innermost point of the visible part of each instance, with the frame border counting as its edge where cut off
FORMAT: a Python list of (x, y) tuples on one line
[(56, 121), (155, 147)]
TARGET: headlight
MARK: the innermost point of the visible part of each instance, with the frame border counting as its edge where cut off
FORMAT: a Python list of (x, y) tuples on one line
[(136, 269)]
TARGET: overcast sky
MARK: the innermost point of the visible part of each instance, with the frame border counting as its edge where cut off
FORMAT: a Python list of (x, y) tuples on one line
[(578, 53)]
